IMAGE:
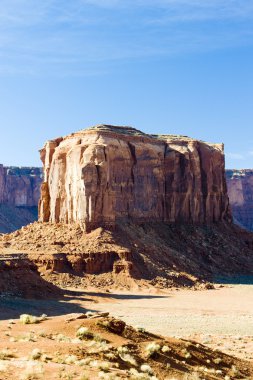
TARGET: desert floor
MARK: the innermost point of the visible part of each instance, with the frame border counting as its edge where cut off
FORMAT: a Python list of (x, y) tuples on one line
[(220, 318)]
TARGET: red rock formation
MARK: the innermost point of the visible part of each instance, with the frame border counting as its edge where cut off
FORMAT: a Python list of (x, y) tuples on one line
[(240, 191), (105, 174), (19, 196), (20, 186)]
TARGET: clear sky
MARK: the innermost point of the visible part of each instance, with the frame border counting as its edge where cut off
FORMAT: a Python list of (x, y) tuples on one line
[(162, 66)]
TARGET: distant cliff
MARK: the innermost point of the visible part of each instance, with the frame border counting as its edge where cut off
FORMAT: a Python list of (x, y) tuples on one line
[(107, 174), (240, 191), (19, 196)]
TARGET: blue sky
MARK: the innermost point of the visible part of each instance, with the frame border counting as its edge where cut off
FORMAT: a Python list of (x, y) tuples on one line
[(162, 66)]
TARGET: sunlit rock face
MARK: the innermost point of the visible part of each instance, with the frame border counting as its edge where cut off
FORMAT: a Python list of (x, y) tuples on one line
[(240, 190), (107, 174)]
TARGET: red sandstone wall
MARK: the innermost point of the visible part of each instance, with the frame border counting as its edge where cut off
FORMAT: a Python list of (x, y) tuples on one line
[(106, 174)]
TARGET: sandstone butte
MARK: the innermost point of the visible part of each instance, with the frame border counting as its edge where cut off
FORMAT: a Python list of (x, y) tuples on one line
[(106, 174), (240, 191), (122, 208)]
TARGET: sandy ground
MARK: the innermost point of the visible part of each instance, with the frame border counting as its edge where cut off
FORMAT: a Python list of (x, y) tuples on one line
[(220, 318), (51, 349)]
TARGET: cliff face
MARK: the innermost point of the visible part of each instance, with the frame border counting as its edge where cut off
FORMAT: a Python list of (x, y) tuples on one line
[(20, 186), (240, 190), (19, 196), (107, 174)]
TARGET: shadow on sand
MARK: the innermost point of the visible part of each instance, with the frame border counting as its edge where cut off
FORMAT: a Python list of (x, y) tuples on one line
[(70, 302), (125, 296), (235, 280), (12, 307)]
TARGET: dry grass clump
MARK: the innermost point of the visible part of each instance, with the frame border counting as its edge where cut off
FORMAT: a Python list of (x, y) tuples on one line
[(84, 333), (186, 354), (128, 359), (6, 354), (146, 368), (28, 337), (30, 319), (136, 375), (62, 338), (36, 354), (70, 359), (165, 349), (152, 349), (33, 371), (123, 353)]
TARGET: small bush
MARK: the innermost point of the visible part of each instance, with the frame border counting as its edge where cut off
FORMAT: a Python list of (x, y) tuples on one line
[(30, 319), (84, 333), (127, 358), (152, 349), (36, 354), (146, 368)]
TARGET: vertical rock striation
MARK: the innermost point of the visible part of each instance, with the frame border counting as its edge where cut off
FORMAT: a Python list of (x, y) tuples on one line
[(107, 174), (240, 191)]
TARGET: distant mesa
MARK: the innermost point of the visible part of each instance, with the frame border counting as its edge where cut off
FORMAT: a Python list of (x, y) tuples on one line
[(240, 191), (19, 196)]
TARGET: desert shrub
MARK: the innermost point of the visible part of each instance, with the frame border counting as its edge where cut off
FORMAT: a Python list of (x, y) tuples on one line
[(146, 368), (36, 354), (152, 349), (165, 349), (127, 358), (29, 319), (84, 333), (6, 354)]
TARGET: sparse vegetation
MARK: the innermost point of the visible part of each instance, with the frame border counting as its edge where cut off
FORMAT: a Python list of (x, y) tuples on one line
[(92, 351), (152, 349), (30, 319)]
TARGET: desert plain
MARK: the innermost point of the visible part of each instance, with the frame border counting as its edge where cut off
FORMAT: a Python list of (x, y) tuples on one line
[(206, 327)]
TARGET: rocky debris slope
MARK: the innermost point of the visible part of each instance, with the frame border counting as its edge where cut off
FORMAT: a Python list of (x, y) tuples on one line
[(19, 196), (130, 255), (106, 174), (240, 191), (19, 277), (98, 347)]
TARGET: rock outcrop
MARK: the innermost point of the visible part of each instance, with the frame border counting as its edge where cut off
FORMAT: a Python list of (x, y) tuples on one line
[(19, 196), (107, 174), (240, 191)]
